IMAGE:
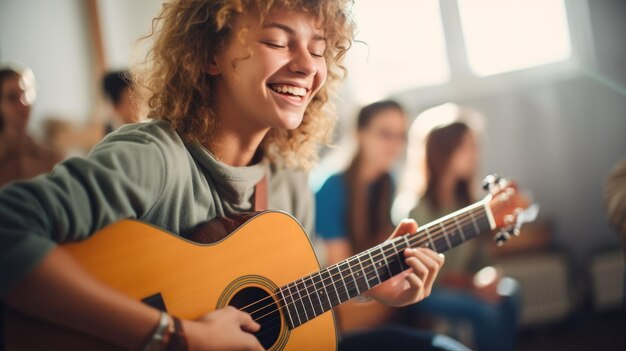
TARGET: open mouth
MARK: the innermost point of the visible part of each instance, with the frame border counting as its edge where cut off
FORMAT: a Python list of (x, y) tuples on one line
[(289, 91)]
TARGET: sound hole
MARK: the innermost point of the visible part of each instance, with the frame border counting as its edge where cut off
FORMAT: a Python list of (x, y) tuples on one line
[(263, 309)]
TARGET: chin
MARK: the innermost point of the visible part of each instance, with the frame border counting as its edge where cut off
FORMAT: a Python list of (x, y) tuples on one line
[(290, 122)]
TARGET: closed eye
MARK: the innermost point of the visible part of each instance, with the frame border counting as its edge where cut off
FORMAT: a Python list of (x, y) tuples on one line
[(273, 45)]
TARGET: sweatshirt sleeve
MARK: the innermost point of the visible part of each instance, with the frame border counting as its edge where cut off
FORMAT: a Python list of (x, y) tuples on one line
[(122, 177)]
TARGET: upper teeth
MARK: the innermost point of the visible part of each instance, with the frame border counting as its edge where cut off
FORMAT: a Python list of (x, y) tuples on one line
[(289, 89)]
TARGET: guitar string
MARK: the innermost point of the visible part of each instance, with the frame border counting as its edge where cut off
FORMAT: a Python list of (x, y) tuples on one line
[(304, 293), (435, 235), (415, 240), (356, 289), (266, 330)]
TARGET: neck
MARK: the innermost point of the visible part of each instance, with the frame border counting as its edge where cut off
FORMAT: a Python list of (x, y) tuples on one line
[(12, 134), (368, 173), (445, 191), (234, 150)]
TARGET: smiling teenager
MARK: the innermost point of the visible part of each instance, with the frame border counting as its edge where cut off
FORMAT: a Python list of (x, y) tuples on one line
[(238, 91)]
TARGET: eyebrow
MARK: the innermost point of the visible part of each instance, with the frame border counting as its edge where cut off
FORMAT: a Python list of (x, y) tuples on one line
[(290, 30)]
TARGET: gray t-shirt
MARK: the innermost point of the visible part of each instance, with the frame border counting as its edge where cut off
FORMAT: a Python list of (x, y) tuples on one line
[(142, 171)]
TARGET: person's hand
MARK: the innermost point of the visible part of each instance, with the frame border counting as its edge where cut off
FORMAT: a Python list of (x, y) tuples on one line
[(224, 329), (415, 283)]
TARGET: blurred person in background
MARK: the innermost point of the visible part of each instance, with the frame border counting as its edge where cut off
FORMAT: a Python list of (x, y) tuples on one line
[(444, 151), (20, 156), (117, 88), (353, 214), (615, 204)]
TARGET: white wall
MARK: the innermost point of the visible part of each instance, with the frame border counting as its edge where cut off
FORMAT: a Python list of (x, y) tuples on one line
[(561, 137), (123, 22), (51, 37)]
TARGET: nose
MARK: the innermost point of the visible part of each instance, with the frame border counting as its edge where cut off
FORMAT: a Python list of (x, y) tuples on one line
[(302, 62)]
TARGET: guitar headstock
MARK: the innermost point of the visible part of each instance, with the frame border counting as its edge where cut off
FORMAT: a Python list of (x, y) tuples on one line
[(509, 207)]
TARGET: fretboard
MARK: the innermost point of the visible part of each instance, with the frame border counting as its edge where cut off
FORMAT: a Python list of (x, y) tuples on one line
[(309, 297)]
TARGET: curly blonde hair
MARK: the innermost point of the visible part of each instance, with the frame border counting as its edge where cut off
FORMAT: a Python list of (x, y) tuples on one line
[(188, 34)]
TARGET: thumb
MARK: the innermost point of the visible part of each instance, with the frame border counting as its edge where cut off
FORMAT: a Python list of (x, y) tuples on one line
[(247, 323), (407, 226)]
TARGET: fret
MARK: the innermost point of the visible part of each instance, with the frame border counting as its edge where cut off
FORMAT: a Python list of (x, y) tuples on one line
[(320, 288), (362, 274), (297, 303), (391, 253), (345, 286), (358, 291), (380, 264), (352, 288), (382, 253), (287, 306), (301, 289), (312, 293), (359, 274), (445, 235), (371, 269), (483, 220), (400, 255), (474, 222), (456, 221), (406, 241), (331, 290), (454, 236), (430, 239), (374, 265)]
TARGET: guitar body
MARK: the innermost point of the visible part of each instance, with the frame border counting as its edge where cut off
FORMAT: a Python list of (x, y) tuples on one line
[(191, 279)]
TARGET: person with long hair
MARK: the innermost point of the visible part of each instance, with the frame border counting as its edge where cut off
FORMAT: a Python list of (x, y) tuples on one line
[(353, 206), (445, 148), (21, 157), (353, 214), (238, 91)]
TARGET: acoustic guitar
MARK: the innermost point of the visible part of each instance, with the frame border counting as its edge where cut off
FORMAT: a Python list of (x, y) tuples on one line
[(266, 267)]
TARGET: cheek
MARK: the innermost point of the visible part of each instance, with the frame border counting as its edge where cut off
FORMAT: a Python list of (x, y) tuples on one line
[(465, 162), (394, 152), (322, 74)]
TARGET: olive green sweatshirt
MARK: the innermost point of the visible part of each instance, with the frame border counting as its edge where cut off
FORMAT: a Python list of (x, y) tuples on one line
[(142, 171)]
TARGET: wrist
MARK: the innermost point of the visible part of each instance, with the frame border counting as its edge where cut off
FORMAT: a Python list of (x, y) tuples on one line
[(168, 335), (177, 340), (157, 339)]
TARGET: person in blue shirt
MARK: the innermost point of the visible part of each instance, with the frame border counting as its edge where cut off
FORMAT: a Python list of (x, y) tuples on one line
[(353, 214), (352, 207)]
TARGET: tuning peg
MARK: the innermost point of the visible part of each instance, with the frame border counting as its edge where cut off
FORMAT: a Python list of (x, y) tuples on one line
[(501, 237), (490, 181), (513, 230)]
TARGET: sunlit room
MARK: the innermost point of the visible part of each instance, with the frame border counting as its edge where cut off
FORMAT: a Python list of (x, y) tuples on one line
[(313, 175)]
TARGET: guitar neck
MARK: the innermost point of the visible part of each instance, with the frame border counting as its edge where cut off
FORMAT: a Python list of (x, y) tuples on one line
[(308, 297)]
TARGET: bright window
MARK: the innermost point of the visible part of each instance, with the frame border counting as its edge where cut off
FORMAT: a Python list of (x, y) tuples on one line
[(509, 35), (405, 48)]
